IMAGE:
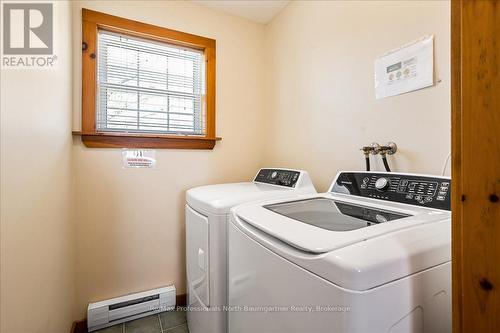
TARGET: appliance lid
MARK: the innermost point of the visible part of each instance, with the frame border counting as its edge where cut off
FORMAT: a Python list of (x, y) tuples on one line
[(268, 183), (326, 222), (218, 199), (334, 215)]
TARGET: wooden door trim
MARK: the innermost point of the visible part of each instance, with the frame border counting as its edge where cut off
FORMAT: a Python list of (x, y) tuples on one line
[(475, 42), (456, 118)]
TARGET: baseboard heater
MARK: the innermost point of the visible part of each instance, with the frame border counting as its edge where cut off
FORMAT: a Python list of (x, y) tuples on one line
[(121, 309)]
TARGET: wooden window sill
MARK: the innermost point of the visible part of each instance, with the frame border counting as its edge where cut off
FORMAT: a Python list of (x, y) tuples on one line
[(130, 140)]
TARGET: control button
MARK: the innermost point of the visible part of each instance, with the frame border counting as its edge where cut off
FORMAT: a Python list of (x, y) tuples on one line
[(380, 218), (365, 182), (404, 182), (382, 184), (428, 199), (442, 188), (445, 184), (411, 186), (274, 174), (440, 198), (418, 197), (409, 196), (442, 193)]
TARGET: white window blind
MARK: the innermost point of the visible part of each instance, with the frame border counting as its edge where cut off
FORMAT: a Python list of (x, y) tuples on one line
[(149, 87)]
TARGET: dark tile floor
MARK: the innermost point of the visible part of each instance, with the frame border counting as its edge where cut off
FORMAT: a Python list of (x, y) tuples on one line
[(168, 322)]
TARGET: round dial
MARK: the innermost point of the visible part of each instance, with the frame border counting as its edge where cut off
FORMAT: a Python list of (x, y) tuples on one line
[(274, 174), (382, 184)]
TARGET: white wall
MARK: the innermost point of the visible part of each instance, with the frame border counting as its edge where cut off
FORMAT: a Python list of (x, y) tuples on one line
[(131, 222), (320, 98), (37, 231)]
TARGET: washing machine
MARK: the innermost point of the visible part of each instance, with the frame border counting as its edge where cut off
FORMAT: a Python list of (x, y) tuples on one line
[(207, 212), (370, 255)]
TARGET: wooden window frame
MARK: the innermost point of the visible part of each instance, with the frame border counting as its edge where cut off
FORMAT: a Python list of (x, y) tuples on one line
[(92, 22)]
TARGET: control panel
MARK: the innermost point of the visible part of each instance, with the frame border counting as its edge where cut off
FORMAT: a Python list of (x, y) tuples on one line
[(428, 191), (280, 177)]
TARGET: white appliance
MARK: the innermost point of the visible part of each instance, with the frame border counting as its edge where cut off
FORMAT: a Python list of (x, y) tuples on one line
[(371, 255), (121, 309), (207, 212)]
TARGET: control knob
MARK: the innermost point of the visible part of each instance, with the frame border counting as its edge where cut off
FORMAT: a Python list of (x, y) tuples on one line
[(382, 184)]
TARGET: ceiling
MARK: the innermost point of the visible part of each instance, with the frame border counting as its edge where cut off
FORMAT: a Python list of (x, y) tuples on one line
[(261, 11)]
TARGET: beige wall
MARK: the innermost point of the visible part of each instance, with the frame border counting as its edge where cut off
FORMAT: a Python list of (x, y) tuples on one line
[(320, 103), (37, 231), (130, 222), (298, 93)]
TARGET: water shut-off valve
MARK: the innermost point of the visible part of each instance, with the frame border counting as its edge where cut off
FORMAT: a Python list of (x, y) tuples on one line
[(389, 149)]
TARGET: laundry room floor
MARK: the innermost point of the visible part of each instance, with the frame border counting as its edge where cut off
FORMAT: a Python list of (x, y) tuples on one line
[(168, 322)]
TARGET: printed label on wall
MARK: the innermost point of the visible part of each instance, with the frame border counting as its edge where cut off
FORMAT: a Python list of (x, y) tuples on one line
[(138, 158), (409, 68)]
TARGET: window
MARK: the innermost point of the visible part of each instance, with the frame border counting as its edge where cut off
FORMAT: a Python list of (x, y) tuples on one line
[(146, 86)]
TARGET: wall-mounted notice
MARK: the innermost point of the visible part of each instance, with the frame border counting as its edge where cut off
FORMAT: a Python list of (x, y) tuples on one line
[(408, 68), (138, 158)]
